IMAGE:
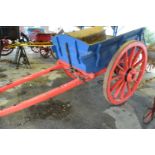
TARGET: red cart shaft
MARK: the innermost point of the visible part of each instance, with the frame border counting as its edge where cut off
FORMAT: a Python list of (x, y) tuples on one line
[(29, 78), (50, 94), (40, 98)]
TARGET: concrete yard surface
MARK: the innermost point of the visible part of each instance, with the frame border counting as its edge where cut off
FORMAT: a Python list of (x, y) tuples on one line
[(83, 107)]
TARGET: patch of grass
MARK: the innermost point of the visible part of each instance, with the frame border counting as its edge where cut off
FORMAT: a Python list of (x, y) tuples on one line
[(149, 37), (2, 69)]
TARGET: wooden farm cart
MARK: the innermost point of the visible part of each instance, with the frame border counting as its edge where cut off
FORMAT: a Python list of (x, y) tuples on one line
[(42, 44), (8, 35), (44, 39), (123, 60)]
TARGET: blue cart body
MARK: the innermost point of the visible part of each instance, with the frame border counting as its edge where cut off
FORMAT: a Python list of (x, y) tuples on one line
[(91, 58)]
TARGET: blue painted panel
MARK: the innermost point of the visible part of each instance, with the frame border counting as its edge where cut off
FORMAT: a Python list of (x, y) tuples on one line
[(91, 57)]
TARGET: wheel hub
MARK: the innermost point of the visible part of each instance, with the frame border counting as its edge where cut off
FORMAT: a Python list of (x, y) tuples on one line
[(130, 75)]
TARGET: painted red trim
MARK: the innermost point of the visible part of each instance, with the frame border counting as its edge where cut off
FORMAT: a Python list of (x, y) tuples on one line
[(90, 75)]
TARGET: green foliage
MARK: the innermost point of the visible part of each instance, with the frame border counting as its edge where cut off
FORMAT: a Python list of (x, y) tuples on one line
[(149, 37)]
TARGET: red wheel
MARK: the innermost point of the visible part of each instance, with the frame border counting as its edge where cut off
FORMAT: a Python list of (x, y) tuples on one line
[(125, 72), (148, 116), (44, 52), (35, 49), (5, 49)]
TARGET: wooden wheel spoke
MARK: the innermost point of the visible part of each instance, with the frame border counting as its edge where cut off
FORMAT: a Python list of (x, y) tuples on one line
[(115, 78), (116, 85), (118, 89), (131, 56), (120, 67), (136, 57), (128, 87), (126, 60), (123, 91), (138, 63)]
